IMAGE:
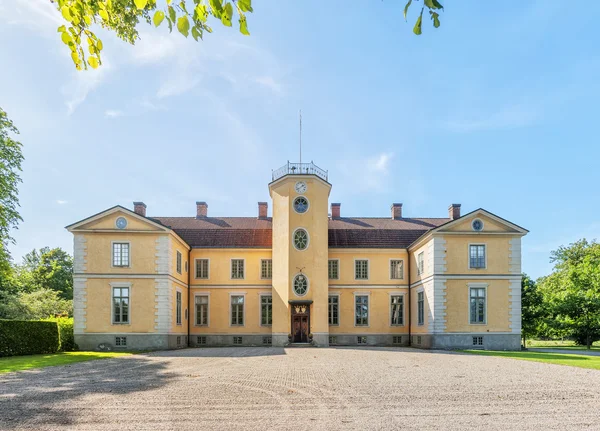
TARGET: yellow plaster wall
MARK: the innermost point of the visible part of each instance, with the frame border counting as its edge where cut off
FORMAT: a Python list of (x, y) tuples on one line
[(176, 246), (428, 270), (175, 328), (99, 306), (379, 312), (379, 265), (142, 252), (219, 271), (414, 315), (497, 253), (457, 306), (281, 262), (219, 309)]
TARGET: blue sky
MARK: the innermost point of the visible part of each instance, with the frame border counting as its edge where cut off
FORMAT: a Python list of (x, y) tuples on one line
[(495, 109)]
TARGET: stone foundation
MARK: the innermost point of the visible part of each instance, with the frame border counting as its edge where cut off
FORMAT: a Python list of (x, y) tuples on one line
[(133, 341)]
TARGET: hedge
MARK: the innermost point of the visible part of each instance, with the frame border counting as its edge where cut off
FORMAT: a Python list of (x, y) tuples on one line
[(65, 331), (28, 337)]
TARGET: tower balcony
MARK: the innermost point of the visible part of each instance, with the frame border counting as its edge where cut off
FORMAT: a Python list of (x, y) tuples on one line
[(299, 169)]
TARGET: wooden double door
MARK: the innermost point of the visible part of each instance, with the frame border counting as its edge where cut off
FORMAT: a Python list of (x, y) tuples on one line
[(300, 323)]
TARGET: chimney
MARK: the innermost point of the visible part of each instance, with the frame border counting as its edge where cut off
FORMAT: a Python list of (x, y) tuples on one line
[(201, 209), (139, 208), (262, 210), (454, 211), (396, 211), (335, 210)]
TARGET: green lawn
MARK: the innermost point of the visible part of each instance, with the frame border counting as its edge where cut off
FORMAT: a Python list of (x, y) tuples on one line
[(581, 361), (559, 344), (18, 363)]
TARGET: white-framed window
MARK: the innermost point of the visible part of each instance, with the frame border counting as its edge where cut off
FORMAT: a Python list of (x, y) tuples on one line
[(121, 341), (202, 268), (478, 341), (333, 266), (178, 262), (237, 340), (334, 310), (120, 254), (266, 310), (361, 339), (300, 239), (361, 310), (477, 301), (361, 269), (266, 269), (396, 269), (120, 304), (178, 309), (300, 284), (237, 269), (421, 263), (300, 204), (397, 310), (267, 341), (201, 310), (421, 308), (477, 256), (237, 310)]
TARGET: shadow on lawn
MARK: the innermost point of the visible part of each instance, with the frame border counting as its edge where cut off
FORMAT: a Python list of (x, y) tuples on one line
[(35, 398)]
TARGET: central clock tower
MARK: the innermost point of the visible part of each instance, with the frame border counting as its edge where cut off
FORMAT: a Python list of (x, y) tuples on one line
[(300, 256)]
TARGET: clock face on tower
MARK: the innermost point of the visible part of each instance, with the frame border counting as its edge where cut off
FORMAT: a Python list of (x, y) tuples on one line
[(300, 187)]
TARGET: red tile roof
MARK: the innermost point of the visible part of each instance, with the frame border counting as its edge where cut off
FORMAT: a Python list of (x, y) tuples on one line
[(346, 232)]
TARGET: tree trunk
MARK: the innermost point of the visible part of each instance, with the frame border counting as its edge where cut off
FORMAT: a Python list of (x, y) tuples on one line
[(589, 345)]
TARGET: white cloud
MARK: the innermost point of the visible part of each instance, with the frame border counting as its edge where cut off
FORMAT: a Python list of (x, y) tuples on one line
[(373, 172), (61, 202), (112, 113), (38, 15), (379, 163), (83, 82)]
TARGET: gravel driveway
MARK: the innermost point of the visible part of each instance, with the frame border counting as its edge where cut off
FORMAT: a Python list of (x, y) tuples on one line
[(301, 389)]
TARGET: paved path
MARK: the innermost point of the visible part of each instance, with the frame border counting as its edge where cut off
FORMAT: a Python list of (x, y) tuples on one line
[(301, 389), (565, 351)]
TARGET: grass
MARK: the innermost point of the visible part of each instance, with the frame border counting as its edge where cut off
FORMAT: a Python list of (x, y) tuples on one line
[(19, 363), (560, 344), (581, 361)]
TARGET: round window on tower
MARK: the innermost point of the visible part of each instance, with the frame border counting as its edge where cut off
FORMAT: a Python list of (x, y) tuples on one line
[(300, 204), (300, 285), (300, 239)]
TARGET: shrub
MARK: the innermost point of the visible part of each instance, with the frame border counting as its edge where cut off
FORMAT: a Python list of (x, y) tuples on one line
[(28, 337), (65, 330)]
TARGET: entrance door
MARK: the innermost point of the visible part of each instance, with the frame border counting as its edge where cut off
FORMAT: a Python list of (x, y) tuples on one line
[(300, 323)]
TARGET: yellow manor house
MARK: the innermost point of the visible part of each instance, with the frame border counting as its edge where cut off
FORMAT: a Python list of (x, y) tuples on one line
[(304, 275)]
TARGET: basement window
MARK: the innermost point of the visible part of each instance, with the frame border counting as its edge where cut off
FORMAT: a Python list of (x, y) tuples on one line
[(478, 341), (361, 340), (201, 340), (397, 339), (121, 341), (237, 340), (267, 341), (333, 340)]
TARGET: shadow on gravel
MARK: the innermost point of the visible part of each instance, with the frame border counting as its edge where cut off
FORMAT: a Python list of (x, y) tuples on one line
[(35, 398), (220, 352)]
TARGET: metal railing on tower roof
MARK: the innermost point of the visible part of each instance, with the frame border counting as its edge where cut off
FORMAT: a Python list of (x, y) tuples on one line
[(299, 169)]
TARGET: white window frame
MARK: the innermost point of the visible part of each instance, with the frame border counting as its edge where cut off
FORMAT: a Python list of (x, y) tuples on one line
[(339, 307), (207, 268), (368, 295), (177, 290), (478, 286), (338, 268), (421, 259), (307, 204), (423, 292), (178, 262), (390, 267), (368, 269), (231, 268), (261, 268), (485, 254), (260, 297), (112, 302), (112, 254), (207, 294), (243, 309), (403, 295), (307, 284), (307, 239)]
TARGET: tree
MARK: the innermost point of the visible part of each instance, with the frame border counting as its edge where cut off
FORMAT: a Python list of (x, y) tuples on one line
[(11, 158), (55, 272), (123, 17), (188, 16), (39, 304), (572, 291), (531, 308)]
